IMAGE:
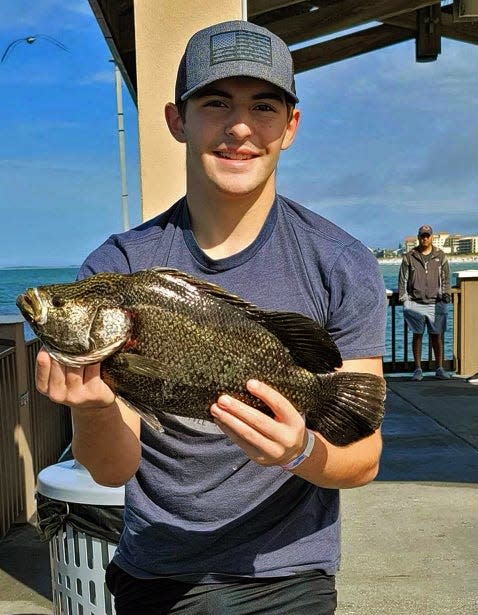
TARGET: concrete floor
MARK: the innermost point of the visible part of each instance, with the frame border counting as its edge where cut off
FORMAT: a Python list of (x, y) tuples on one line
[(409, 538)]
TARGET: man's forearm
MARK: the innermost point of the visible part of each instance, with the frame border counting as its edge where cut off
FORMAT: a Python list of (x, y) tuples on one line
[(336, 467), (105, 444)]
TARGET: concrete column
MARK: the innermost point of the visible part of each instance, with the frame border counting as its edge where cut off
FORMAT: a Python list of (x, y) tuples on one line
[(162, 30), (466, 323), (11, 328)]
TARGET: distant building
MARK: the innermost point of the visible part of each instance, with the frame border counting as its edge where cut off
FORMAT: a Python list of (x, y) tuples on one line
[(439, 239), (448, 242), (451, 244), (409, 243), (467, 245)]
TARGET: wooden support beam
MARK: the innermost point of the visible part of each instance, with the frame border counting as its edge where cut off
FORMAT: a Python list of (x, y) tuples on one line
[(258, 7), (463, 32), (340, 15), (349, 46), (428, 39)]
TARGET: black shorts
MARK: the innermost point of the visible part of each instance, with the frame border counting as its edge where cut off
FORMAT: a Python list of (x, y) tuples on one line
[(309, 593)]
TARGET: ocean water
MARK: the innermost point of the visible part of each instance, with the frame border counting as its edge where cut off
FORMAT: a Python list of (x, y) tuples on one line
[(15, 281)]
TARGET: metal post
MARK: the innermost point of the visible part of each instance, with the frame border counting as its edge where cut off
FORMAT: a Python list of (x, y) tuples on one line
[(121, 143)]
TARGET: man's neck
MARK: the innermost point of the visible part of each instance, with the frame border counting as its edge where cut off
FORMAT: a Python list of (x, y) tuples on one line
[(425, 251), (224, 225)]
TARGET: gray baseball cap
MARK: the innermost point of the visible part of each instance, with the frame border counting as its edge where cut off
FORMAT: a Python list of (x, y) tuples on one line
[(234, 49)]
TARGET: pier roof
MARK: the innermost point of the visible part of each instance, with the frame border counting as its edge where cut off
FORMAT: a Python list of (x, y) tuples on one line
[(377, 25)]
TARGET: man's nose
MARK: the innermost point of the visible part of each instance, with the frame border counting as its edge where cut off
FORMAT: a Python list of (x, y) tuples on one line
[(239, 125)]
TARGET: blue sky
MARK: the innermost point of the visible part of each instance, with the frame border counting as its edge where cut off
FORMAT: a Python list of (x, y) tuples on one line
[(385, 144)]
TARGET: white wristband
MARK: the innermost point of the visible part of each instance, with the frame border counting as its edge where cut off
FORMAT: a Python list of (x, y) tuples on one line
[(303, 456)]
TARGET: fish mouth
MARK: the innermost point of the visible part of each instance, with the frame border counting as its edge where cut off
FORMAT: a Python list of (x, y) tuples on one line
[(33, 307)]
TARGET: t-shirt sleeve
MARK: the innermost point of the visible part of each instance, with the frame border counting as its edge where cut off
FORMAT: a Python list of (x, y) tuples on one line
[(358, 304), (109, 257)]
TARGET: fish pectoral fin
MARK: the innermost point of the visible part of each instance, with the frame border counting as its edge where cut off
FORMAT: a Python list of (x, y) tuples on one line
[(350, 406), (157, 370), (146, 413), (144, 366)]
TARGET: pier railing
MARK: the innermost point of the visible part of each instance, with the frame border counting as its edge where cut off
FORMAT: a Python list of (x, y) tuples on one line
[(34, 431), (11, 492), (399, 356)]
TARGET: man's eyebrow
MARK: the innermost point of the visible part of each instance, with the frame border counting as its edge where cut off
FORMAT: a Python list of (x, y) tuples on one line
[(270, 95), (266, 95), (212, 92)]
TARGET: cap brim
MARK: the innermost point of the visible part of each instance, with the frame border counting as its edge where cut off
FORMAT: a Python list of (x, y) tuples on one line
[(244, 73)]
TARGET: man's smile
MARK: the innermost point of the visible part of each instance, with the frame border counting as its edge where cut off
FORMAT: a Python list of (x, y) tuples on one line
[(235, 155)]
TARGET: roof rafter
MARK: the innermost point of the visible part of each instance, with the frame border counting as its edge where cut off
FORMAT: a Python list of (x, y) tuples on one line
[(258, 7), (465, 32), (349, 46), (340, 15)]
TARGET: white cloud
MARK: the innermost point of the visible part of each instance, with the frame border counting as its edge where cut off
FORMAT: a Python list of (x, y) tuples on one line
[(103, 76)]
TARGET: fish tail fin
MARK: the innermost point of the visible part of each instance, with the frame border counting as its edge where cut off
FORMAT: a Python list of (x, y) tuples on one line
[(350, 406)]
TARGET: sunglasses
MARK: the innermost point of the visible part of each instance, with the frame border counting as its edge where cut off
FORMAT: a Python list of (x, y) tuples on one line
[(424, 235)]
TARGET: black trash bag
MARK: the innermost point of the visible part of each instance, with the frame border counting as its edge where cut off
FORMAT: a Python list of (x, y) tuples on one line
[(102, 522)]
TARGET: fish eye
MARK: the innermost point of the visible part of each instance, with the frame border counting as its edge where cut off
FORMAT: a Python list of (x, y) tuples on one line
[(57, 301)]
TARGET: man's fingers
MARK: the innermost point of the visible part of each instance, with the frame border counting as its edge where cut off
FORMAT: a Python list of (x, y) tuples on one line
[(280, 406), (42, 370), (74, 377), (57, 381)]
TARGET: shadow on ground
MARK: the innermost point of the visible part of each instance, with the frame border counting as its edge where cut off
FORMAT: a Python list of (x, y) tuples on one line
[(24, 565), (430, 431)]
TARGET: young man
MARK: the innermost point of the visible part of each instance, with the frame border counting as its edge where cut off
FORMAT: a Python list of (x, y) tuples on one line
[(424, 289), (230, 516)]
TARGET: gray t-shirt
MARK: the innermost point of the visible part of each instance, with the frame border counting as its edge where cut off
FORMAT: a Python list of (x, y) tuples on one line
[(197, 507)]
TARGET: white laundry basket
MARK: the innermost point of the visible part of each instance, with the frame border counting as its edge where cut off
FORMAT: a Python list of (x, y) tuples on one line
[(78, 560)]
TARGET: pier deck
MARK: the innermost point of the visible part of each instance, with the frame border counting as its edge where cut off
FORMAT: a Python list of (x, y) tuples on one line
[(409, 538)]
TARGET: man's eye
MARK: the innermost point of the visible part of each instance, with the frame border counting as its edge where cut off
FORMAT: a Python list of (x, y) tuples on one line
[(214, 103), (264, 107)]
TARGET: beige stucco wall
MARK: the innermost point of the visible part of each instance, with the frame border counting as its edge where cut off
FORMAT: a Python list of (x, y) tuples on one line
[(162, 29)]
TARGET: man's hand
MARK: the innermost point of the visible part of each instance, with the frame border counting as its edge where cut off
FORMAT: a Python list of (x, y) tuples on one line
[(266, 440), (105, 430), (78, 387)]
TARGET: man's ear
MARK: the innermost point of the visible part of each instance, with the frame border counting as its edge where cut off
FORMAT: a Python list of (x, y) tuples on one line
[(174, 122), (291, 131)]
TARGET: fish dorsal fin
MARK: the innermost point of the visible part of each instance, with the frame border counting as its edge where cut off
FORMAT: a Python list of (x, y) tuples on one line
[(309, 344), (208, 287)]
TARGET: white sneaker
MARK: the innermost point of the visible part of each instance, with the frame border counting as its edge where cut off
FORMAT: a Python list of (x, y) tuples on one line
[(417, 374), (441, 374)]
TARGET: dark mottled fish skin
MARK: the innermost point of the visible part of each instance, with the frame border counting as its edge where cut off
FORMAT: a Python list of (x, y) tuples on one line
[(182, 342)]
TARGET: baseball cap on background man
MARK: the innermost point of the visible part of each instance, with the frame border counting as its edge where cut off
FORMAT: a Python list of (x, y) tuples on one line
[(234, 49), (425, 228)]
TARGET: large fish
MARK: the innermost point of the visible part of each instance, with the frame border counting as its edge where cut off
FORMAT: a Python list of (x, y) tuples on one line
[(169, 342)]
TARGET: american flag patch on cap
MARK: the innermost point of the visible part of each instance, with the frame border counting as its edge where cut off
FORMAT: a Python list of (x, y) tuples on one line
[(241, 45)]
